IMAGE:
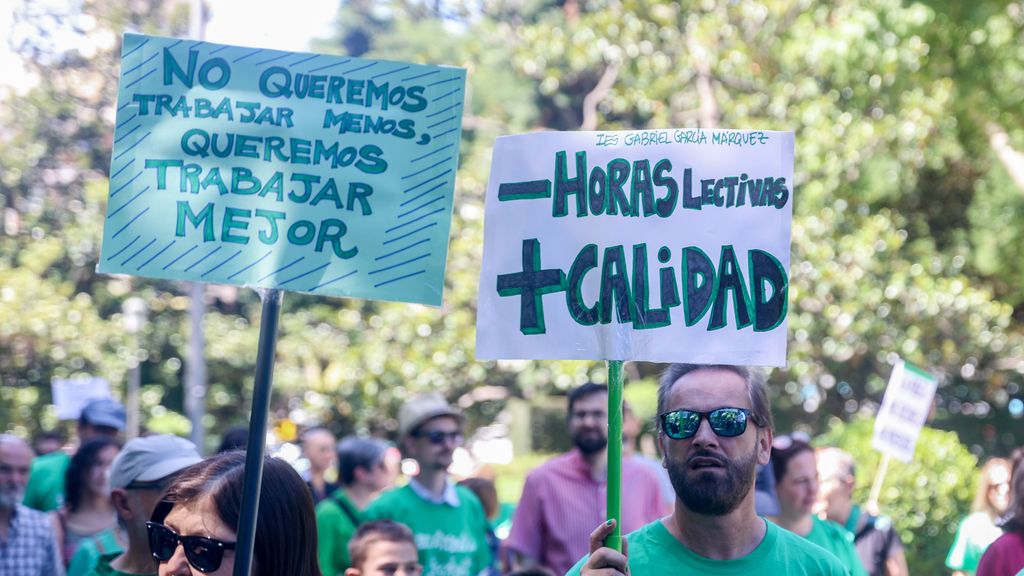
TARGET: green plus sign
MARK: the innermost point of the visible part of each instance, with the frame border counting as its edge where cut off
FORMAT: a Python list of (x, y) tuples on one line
[(530, 285)]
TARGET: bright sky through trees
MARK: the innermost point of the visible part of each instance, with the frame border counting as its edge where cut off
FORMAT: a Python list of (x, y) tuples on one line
[(245, 22)]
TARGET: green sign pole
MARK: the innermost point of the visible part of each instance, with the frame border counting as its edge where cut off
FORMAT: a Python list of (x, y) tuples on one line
[(614, 540), (256, 447)]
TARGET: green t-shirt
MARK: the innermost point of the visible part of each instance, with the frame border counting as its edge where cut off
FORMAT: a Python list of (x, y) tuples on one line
[(653, 550), (336, 521), (837, 540), (87, 555), (502, 524), (103, 567), (452, 540), (973, 536), (45, 489)]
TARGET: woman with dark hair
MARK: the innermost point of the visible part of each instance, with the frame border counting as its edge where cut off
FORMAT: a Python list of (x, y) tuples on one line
[(87, 511), (796, 484), (194, 529), (1006, 554)]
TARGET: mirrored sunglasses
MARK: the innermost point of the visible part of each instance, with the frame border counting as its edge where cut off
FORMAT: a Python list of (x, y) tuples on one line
[(725, 422)]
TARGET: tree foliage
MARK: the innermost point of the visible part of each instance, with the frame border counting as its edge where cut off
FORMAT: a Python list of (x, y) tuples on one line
[(906, 230)]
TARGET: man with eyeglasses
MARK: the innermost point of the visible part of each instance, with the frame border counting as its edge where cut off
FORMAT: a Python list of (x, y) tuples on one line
[(447, 520), (28, 545), (876, 539), (138, 477), (715, 427), (565, 497)]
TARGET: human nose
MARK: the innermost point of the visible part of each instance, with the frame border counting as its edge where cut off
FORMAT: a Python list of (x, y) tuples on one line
[(705, 436), (178, 565)]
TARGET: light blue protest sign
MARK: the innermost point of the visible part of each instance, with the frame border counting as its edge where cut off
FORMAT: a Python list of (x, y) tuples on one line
[(303, 172)]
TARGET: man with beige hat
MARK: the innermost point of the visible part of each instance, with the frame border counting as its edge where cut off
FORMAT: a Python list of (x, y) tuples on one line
[(138, 478), (447, 520)]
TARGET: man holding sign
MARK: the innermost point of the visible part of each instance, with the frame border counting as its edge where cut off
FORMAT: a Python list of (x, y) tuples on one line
[(715, 427), (662, 246)]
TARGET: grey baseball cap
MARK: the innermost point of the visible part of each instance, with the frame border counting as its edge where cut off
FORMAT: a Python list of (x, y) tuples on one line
[(419, 409), (151, 458), (104, 412)]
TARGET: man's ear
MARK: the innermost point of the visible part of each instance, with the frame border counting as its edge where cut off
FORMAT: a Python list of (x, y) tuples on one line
[(663, 444), (849, 483), (359, 474), (764, 445), (121, 502)]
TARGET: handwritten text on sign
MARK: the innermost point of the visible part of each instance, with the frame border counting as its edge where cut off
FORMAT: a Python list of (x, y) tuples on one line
[(905, 408), (667, 245), (298, 171)]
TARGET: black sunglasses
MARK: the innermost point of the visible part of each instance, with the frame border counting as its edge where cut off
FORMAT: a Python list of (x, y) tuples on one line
[(683, 424), (204, 554), (438, 436)]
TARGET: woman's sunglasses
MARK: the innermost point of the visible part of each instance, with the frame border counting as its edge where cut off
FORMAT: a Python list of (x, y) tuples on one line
[(204, 554), (683, 424)]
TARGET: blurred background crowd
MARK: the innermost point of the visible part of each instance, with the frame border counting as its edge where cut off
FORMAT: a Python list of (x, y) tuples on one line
[(908, 222)]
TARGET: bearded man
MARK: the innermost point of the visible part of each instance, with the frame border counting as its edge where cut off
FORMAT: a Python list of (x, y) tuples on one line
[(715, 427), (28, 545), (565, 497)]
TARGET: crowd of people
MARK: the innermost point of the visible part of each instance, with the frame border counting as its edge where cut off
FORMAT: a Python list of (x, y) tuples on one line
[(727, 496)]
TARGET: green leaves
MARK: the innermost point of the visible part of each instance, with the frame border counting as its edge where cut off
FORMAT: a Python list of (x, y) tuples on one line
[(906, 235)]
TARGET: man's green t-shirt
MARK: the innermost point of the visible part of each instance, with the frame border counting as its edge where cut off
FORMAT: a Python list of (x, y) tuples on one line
[(336, 521), (837, 540), (45, 488), (87, 555), (452, 540), (654, 550), (103, 567)]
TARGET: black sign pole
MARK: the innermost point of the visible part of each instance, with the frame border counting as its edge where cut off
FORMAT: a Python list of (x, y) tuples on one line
[(257, 444)]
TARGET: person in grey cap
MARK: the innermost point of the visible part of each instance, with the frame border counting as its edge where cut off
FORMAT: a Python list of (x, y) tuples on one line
[(138, 478), (447, 520), (101, 417), (362, 474)]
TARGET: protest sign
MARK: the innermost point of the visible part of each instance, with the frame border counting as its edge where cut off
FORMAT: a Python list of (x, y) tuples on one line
[(905, 408), (286, 170), (664, 245), (71, 395)]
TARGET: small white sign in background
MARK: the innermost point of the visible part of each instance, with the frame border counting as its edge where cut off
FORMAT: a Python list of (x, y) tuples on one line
[(70, 396), (905, 408)]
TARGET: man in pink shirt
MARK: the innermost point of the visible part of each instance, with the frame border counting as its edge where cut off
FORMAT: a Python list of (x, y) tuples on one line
[(564, 498)]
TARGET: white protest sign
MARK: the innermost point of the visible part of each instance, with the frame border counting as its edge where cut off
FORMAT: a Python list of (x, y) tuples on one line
[(70, 396), (905, 407), (664, 245)]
